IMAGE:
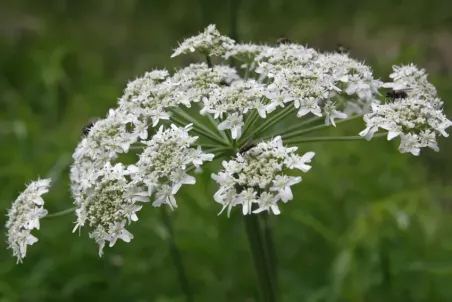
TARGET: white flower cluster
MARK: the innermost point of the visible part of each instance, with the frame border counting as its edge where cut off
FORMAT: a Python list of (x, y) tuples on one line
[(147, 98), (235, 101), (24, 216), (108, 194), (105, 140), (273, 59), (330, 85), (415, 114), (258, 177), (415, 81), (109, 205), (163, 163), (246, 53), (210, 43), (197, 81), (145, 102)]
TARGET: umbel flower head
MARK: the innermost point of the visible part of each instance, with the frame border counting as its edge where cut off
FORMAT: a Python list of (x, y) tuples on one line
[(110, 205), (258, 177), (210, 43), (162, 166), (110, 200), (251, 118), (24, 216), (416, 115), (106, 139)]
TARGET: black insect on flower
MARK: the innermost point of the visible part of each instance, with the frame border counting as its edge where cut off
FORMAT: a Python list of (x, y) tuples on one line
[(89, 125), (283, 40), (341, 49), (396, 94)]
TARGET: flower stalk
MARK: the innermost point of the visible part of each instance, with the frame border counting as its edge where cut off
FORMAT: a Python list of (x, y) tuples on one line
[(271, 121), (300, 140), (269, 248), (200, 128), (207, 134), (209, 61), (61, 213), (260, 259), (301, 132), (177, 258)]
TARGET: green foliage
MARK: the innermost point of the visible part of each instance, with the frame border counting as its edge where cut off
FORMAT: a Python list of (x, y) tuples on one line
[(367, 224)]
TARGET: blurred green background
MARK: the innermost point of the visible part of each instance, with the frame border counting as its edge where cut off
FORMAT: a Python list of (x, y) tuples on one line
[(366, 224)]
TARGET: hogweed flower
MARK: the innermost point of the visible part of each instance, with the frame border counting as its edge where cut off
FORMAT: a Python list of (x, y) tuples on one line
[(258, 177), (24, 216), (162, 166), (210, 42), (109, 205), (417, 117), (252, 118)]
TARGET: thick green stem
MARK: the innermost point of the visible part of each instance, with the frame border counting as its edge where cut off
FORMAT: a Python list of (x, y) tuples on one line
[(329, 139), (209, 61), (266, 286), (233, 23), (234, 9), (61, 213), (269, 248), (177, 259), (318, 127)]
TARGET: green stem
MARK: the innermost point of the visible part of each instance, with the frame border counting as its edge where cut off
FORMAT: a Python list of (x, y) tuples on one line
[(318, 127), (218, 150), (202, 145), (274, 119), (295, 127), (252, 118), (137, 147), (234, 33), (209, 61), (247, 73), (195, 122), (228, 135), (266, 287), (270, 248), (58, 168), (215, 124), (234, 6), (177, 259), (329, 139), (206, 146), (190, 168), (210, 136), (61, 213)]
